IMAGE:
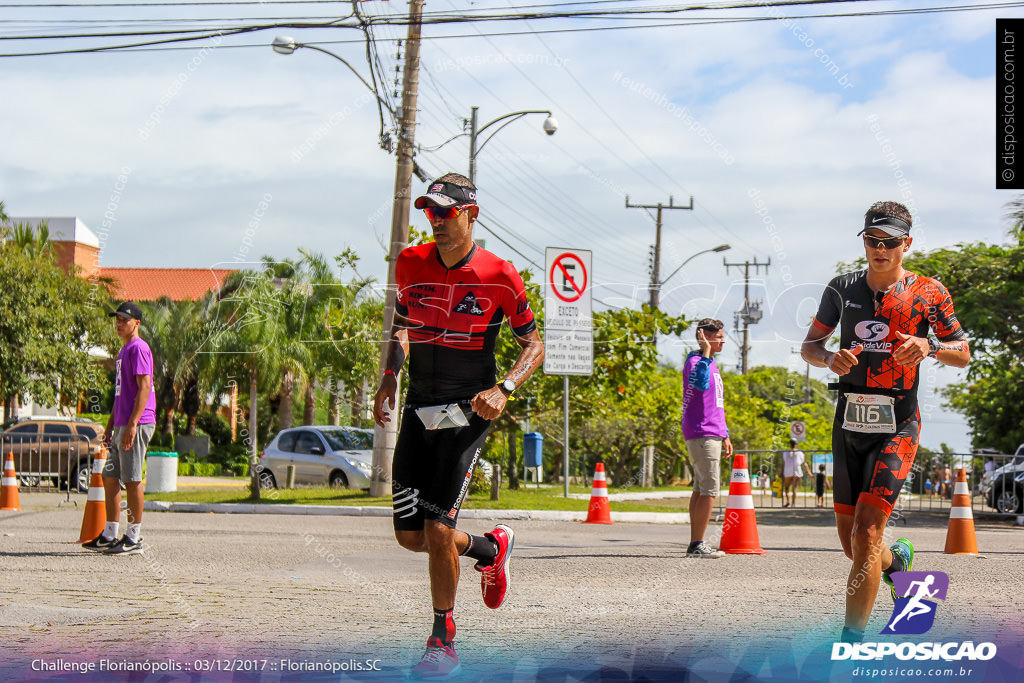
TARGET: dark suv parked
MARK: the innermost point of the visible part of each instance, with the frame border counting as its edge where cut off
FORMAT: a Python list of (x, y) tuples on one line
[(52, 449)]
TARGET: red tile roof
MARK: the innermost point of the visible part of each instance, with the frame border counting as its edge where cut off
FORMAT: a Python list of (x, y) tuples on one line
[(150, 284)]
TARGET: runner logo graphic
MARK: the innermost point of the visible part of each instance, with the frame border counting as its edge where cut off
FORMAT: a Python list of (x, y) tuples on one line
[(914, 611)]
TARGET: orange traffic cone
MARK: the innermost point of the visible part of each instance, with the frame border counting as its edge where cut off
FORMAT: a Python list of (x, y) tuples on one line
[(599, 511), (960, 538), (9, 486), (739, 531), (95, 507)]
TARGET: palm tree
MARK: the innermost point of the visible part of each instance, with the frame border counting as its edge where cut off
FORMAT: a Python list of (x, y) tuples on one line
[(35, 242), (247, 338), (341, 325)]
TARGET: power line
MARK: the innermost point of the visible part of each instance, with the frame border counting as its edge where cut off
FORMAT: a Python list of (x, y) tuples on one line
[(397, 21)]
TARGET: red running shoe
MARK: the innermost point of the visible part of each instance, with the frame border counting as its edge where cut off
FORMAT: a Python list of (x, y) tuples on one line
[(439, 661), (494, 582)]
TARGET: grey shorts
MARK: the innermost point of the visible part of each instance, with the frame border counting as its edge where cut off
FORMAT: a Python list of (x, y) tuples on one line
[(706, 458), (127, 465)]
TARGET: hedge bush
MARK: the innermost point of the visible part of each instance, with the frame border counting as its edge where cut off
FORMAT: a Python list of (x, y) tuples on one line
[(198, 469)]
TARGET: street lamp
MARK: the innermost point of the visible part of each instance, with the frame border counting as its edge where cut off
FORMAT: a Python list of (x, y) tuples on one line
[(550, 126), (285, 45), (720, 247)]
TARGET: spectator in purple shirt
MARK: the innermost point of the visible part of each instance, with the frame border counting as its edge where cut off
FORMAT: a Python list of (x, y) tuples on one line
[(128, 432), (705, 431)]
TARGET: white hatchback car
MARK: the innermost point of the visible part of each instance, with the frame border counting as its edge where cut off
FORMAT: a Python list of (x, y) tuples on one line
[(322, 455)]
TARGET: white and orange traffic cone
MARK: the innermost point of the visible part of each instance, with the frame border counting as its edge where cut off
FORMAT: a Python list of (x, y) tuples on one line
[(739, 531), (95, 517), (9, 486), (960, 538), (599, 512)]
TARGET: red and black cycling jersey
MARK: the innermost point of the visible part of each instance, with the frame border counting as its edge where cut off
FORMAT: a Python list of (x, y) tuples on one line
[(911, 306), (453, 316)]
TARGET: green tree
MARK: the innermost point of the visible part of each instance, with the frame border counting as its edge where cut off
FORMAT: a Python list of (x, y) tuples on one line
[(51, 321)]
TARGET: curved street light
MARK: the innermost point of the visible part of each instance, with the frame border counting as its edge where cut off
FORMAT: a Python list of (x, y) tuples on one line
[(285, 45), (720, 247), (550, 126)]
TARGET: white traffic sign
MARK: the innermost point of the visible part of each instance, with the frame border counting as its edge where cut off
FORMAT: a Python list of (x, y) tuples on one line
[(568, 313), (798, 431)]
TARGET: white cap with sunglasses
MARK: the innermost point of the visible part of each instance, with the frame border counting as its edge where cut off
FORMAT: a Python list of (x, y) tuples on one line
[(443, 195)]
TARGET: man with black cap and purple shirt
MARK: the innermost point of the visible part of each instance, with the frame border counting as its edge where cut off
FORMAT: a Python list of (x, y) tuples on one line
[(884, 314), (129, 429), (452, 298)]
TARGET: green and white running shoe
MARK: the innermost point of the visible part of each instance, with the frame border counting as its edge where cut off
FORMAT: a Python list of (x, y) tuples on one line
[(905, 550)]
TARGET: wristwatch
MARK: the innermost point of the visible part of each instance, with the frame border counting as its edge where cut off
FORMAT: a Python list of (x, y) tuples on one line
[(508, 385), (933, 347)]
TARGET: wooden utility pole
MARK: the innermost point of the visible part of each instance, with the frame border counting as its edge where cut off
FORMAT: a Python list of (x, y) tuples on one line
[(384, 439), (656, 269)]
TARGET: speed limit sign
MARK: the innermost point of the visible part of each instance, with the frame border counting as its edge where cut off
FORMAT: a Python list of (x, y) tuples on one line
[(797, 431)]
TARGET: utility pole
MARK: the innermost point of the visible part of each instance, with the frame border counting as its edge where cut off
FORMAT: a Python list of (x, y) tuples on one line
[(751, 313), (656, 267), (384, 439)]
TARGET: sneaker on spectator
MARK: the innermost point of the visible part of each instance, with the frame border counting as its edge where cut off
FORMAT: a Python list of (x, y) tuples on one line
[(125, 547), (99, 544), (704, 551)]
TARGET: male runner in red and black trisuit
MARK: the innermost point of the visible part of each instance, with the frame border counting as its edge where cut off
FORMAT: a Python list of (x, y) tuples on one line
[(884, 314), (452, 298)]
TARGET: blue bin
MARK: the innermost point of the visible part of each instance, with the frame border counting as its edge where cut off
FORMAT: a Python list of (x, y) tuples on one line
[(533, 449)]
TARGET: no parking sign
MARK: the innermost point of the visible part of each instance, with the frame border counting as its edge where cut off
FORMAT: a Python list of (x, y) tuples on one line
[(568, 315), (798, 431)]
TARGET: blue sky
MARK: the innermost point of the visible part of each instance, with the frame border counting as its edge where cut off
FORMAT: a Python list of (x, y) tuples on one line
[(244, 124)]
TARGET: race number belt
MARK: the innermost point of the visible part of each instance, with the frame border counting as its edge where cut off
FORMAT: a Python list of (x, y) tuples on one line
[(443, 416), (870, 414)]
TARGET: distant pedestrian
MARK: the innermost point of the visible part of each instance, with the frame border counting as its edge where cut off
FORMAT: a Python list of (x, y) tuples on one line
[(821, 484), (705, 431), (947, 482), (792, 462), (990, 466), (129, 429), (937, 481)]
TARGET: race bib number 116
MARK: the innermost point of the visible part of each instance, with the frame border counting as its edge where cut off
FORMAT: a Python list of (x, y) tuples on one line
[(869, 413)]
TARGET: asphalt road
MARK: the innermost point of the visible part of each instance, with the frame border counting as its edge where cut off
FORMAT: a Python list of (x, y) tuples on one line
[(294, 589)]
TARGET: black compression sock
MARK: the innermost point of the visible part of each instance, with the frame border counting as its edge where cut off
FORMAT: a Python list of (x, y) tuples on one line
[(693, 545), (897, 564), (444, 625), (481, 549)]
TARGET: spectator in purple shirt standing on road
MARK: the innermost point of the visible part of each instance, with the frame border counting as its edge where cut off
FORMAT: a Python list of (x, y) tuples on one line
[(129, 429), (705, 431)]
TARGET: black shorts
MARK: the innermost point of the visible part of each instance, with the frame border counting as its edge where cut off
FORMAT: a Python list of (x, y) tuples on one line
[(871, 468), (431, 469)]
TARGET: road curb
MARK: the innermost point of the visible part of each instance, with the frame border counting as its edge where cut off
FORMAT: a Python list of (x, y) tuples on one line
[(377, 511)]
